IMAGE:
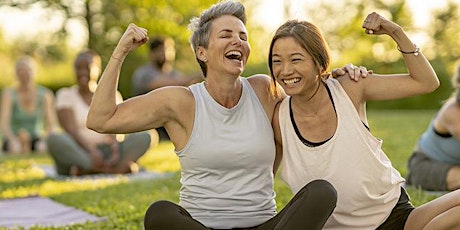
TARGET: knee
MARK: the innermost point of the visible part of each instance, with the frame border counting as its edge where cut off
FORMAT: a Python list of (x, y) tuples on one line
[(157, 214), (322, 190), (54, 139)]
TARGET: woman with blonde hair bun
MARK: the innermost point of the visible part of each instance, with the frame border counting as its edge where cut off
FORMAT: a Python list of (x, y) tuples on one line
[(27, 112)]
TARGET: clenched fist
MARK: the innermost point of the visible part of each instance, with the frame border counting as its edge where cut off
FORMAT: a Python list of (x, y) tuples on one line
[(133, 37), (377, 24)]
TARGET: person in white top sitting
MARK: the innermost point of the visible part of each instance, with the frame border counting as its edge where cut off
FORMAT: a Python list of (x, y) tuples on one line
[(79, 150), (323, 130)]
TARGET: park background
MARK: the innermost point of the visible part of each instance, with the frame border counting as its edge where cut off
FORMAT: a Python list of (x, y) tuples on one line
[(54, 31)]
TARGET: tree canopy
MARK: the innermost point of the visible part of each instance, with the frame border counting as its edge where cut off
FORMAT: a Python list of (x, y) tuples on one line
[(104, 22)]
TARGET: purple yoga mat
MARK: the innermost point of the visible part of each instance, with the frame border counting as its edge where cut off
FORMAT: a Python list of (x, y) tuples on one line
[(41, 211)]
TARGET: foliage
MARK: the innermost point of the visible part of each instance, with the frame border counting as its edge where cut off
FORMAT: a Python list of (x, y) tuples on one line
[(340, 22)]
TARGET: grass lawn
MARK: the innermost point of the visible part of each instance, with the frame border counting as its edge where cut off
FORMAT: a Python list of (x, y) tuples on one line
[(124, 201)]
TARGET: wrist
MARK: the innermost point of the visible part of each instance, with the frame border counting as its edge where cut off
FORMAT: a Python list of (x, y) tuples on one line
[(119, 55), (415, 51)]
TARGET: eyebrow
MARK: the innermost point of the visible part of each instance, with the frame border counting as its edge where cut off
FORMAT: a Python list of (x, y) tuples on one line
[(230, 31), (292, 54)]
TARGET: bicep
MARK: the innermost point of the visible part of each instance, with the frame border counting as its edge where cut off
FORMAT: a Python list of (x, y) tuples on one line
[(390, 87), (144, 112)]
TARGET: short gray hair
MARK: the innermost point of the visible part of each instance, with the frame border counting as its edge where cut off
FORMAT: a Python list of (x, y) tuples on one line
[(201, 26)]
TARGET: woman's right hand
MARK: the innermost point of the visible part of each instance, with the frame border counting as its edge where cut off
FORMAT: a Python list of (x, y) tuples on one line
[(133, 37)]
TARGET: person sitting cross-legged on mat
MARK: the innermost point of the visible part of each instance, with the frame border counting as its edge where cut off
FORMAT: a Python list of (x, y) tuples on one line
[(79, 150), (435, 163)]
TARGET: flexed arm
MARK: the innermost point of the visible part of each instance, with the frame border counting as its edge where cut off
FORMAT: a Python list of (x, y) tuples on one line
[(421, 77), (103, 115)]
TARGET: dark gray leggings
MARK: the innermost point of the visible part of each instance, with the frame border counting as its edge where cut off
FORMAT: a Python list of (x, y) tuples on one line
[(66, 152), (308, 209)]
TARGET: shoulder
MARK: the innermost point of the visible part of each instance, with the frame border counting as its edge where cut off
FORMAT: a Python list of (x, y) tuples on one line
[(66, 91), (8, 91), (259, 80), (179, 95), (261, 84), (449, 111), (7, 95), (354, 89), (44, 91)]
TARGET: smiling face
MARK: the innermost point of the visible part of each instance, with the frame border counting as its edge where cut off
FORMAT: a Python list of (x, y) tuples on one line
[(87, 69), (293, 67), (228, 49)]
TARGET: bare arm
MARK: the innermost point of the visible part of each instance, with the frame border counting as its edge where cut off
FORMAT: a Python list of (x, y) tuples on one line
[(68, 122), (50, 113), (278, 140), (6, 114), (105, 115), (420, 78)]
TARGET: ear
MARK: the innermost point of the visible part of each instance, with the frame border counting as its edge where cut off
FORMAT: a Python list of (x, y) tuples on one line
[(201, 54)]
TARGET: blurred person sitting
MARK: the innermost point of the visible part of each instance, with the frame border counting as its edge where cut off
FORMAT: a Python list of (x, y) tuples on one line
[(27, 112), (435, 162), (79, 150), (159, 72)]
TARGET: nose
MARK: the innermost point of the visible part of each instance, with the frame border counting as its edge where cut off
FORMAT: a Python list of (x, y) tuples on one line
[(237, 40), (286, 69)]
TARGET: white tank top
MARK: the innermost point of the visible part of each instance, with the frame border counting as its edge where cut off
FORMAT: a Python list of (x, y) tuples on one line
[(367, 185), (227, 176)]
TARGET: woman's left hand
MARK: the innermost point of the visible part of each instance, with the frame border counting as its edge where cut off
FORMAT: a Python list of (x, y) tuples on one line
[(377, 24)]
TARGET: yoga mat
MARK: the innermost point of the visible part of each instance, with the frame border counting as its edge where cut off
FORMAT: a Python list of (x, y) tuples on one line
[(41, 211), (50, 172)]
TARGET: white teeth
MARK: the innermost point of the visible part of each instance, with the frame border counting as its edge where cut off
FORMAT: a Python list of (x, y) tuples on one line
[(291, 81), (234, 54)]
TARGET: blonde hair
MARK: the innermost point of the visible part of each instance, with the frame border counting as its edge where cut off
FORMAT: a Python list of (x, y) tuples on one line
[(27, 61)]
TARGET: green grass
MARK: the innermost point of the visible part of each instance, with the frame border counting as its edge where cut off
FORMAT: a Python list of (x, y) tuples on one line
[(124, 202)]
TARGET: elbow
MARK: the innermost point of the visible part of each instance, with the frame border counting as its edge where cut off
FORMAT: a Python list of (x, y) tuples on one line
[(435, 85), (431, 86), (94, 124)]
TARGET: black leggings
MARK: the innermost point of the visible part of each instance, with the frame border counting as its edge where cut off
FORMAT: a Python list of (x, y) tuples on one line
[(308, 209)]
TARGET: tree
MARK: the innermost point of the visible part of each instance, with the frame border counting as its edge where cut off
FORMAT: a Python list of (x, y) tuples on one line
[(106, 20), (445, 45)]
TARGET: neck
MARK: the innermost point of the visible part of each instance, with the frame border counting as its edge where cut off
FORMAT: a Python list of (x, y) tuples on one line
[(226, 94), (311, 105), (25, 87)]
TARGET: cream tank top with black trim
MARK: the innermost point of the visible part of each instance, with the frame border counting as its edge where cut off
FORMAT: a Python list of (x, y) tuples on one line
[(227, 177), (352, 160)]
